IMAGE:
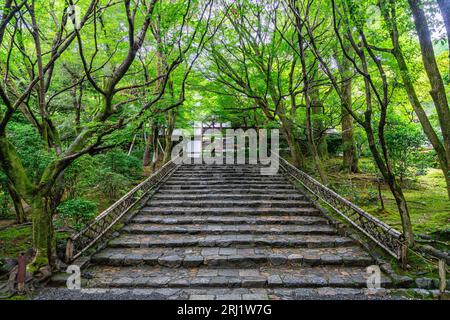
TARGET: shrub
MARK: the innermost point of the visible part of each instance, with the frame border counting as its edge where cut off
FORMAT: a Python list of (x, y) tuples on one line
[(404, 141), (120, 162), (77, 212)]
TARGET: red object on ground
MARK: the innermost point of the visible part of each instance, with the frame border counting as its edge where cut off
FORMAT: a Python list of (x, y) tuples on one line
[(22, 270)]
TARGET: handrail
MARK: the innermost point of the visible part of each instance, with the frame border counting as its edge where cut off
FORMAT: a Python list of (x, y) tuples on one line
[(382, 234), (92, 233)]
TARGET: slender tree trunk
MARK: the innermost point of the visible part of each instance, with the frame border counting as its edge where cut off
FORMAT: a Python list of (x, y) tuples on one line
[(156, 153), (171, 119), (147, 150), (313, 146), (394, 187), (444, 6), (431, 67), (444, 161), (317, 123), (380, 195), (294, 147), (307, 94), (350, 155), (18, 205)]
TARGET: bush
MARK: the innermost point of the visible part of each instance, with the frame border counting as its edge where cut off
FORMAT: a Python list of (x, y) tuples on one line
[(77, 212), (111, 174), (405, 141), (113, 185), (120, 162)]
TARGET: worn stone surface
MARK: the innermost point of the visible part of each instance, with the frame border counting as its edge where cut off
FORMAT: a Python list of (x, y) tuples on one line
[(226, 232)]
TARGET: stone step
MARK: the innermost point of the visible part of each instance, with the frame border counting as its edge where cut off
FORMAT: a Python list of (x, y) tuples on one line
[(226, 175), (228, 229), (209, 278), (220, 168), (241, 182), (210, 177), (231, 211), (233, 257), (229, 240), (224, 186), (230, 220), (238, 190), (229, 203), (229, 294), (226, 196)]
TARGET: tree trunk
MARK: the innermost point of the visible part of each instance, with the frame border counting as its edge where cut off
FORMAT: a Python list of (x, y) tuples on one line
[(313, 146), (350, 154), (444, 161), (294, 147), (350, 157), (394, 187), (429, 61), (310, 95), (444, 6), (380, 195), (317, 124), (44, 241), (156, 153), (403, 210), (147, 150), (171, 119), (18, 205)]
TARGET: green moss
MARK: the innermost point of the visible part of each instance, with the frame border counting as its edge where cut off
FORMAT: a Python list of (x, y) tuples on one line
[(38, 262), (427, 199), (15, 240), (428, 205), (18, 297)]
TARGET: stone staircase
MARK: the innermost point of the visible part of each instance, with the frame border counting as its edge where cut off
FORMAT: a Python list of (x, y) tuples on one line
[(214, 232)]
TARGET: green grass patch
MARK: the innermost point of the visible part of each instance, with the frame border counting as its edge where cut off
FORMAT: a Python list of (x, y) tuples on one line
[(426, 196), (14, 240), (17, 239)]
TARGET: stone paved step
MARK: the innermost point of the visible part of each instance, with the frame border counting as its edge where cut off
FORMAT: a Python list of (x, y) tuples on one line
[(247, 294), (239, 190), (229, 240), (241, 182), (228, 229), (220, 180), (231, 220), (225, 175), (226, 196), (228, 203), (225, 186), (228, 232), (233, 257), (230, 211), (209, 278), (220, 168)]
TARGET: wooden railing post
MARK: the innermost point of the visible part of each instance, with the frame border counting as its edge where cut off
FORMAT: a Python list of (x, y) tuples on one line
[(442, 277), (404, 255), (69, 250)]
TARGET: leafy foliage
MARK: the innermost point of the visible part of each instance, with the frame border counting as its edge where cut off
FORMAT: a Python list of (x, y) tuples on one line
[(406, 143), (77, 212)]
